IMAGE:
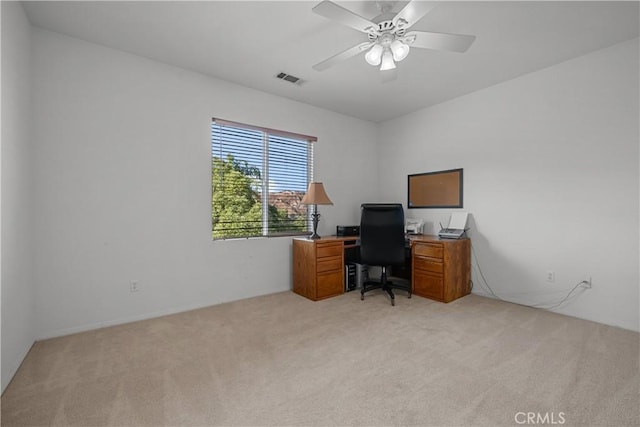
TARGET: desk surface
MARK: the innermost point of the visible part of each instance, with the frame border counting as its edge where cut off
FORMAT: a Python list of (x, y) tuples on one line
[(411, 237)]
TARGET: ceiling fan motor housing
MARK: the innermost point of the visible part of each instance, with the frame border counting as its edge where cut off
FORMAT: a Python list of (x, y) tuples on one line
[(386, 28)]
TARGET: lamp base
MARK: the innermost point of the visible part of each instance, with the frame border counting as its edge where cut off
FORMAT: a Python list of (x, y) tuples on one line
[(315, 218)]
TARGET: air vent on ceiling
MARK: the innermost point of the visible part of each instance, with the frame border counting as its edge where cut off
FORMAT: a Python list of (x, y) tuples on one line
[(289, 78)]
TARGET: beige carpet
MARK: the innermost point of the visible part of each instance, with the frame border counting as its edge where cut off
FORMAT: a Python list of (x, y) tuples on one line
[(283, 360)]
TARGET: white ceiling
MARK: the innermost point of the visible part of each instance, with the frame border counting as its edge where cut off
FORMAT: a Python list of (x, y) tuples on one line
[(249, 42)]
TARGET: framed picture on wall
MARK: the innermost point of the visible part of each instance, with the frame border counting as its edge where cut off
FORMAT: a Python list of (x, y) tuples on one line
[(440, 189)]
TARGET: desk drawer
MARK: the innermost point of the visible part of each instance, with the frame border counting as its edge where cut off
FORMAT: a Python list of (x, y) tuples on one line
[(329, 264), (428, 249), (329, 284), (329, 249), (429, 264), (428, 285)]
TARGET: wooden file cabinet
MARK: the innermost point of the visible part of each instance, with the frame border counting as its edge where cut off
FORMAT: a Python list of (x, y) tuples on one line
[(318, 267), (441, 269)]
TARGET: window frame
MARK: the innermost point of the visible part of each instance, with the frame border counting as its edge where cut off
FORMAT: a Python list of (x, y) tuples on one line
[(267, 133)]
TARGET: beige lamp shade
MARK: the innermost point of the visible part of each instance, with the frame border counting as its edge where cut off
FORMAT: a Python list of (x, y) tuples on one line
[(316, 195)]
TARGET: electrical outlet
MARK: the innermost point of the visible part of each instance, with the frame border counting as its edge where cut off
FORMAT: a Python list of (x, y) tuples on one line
[(134, 286), (550, 276)]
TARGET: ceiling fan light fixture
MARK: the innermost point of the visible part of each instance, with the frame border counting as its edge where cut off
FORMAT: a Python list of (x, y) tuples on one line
[(374, 56), (399, 50), (387, 61)]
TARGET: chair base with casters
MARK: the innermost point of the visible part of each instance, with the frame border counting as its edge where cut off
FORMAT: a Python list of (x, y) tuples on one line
[(385, 285)]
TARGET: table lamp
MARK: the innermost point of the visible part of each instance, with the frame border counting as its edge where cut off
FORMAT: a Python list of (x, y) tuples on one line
[(316, 196)]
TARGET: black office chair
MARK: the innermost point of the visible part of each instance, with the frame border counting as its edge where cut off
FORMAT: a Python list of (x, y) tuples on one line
[(382, 243)]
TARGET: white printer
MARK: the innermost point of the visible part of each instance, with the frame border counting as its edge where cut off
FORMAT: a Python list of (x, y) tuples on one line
[(413, 226)]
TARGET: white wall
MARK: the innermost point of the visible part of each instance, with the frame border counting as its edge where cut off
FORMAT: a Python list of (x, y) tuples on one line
[(550, 177), (18, 331), (122, 185)]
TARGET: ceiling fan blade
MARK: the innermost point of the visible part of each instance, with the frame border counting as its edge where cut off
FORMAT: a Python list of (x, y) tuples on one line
[(338, 13), (412, 13), (352, 51), (440, 41)]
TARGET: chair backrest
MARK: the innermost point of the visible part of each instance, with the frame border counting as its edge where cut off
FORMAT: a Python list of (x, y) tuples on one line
[(382, 234)]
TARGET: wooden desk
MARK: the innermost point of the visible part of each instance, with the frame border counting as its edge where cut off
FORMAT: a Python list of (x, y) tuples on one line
[(440, 269)]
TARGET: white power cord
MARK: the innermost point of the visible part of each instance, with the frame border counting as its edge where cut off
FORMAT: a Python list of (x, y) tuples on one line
[(571, 295)]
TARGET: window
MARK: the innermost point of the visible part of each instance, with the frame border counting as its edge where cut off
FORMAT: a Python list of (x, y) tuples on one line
[(258, 178)]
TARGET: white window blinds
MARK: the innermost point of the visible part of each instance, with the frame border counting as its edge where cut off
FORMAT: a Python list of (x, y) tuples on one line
[(258, 178)]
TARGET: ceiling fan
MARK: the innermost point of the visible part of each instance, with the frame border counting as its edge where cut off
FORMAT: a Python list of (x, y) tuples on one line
[(389, 42)]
